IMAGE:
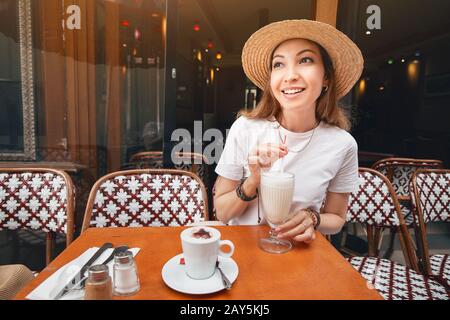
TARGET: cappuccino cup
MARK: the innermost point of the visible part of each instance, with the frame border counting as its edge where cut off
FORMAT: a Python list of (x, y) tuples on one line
[(201, 248)]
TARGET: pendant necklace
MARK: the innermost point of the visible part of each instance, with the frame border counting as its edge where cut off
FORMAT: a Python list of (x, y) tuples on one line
[(285, 138)]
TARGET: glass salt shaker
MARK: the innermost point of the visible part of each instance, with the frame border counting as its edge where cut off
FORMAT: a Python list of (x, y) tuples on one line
[(126, 281), (98, 284)]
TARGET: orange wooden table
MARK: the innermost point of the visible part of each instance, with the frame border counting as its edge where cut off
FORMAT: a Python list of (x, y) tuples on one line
[(314, 271)]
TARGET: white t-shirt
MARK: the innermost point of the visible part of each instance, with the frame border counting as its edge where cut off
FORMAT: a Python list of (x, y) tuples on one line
[(324, 159)]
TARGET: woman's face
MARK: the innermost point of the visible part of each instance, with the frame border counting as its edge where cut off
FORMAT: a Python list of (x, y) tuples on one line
[(297, 74)]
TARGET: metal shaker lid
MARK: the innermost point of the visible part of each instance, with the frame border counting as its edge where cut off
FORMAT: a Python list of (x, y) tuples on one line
[(98, 272), (124, 257)]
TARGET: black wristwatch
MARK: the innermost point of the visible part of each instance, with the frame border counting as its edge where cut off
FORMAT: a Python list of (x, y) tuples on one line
[(241, 193)]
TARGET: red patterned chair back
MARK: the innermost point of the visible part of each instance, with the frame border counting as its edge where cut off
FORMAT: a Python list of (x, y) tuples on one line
[(431, 194), (376, 206), (400, 170), (37, 199), (375, 202), (187, 161), (146, 197)]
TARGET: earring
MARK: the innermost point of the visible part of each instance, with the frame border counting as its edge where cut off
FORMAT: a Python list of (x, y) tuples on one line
[(325, 89)]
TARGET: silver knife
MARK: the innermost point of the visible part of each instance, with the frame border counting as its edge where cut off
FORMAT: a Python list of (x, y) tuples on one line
[(75, 280)]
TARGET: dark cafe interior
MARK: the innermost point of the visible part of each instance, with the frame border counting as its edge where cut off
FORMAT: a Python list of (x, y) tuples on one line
[(138, 139)]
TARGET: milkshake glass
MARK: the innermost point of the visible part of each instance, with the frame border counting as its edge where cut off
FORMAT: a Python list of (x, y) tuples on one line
[(276, 190)]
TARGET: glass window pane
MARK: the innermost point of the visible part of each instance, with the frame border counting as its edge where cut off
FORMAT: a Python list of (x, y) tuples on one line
[(11, 120)]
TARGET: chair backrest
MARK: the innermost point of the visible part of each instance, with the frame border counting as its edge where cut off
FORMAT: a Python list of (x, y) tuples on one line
[(188, 161), (153, 159), (37, 199), (375, 205), (431, 194), (375, 202), (146, 197), (399, 172)]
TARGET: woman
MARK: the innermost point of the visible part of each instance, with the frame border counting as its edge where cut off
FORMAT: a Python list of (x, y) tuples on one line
[(303, 67)]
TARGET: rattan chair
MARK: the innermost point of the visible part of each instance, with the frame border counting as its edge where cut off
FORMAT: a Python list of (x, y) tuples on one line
[(431, 195), (146, 160), (399, 172), (37, 199), (146, 197), (188, 161), (375, 205)]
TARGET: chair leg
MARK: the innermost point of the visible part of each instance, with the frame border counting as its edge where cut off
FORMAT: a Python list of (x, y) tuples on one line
[(371, 246), (340, 240), (378, 240), (390, 249), (418, 247), (49, 245), (344, 233), (407, 248)]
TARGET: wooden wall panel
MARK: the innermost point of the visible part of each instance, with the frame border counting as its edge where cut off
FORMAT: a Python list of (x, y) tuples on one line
[(325, 11)]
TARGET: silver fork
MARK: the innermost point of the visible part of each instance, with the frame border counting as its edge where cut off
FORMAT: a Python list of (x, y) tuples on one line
[(225, 280)]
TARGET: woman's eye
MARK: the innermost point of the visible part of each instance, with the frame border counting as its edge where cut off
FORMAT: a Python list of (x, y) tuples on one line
[(276, 65), (306, 60)]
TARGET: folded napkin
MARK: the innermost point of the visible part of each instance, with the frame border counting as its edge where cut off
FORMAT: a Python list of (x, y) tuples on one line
[(48, 289)]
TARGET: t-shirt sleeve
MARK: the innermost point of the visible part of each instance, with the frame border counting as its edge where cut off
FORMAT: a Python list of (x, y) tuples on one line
[(232, 160), (346, 179)]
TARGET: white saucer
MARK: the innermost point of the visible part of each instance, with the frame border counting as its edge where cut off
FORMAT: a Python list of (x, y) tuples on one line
[(174, 275)]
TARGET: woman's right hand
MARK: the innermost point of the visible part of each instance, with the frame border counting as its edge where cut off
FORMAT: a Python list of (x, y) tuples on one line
[(264, 156)]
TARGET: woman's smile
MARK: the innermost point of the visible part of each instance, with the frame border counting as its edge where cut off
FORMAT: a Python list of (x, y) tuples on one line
[(292, 92)]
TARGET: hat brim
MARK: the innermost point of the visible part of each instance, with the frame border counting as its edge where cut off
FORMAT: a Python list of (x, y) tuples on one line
[(346, 57)]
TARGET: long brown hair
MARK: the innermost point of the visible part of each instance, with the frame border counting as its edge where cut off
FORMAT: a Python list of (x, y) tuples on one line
[(327, 109)]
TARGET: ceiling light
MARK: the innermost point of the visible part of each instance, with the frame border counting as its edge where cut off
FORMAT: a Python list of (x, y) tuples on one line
[(196, 26), (137, 34)]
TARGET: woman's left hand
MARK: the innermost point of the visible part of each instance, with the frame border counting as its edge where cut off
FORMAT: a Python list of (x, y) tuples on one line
[(299, 228)]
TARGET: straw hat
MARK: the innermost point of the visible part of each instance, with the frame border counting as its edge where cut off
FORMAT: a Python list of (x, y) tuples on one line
[(346, 57), (13, 278)]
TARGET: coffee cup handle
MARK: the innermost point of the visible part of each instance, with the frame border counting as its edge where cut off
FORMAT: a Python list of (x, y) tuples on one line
[(226, 243)]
